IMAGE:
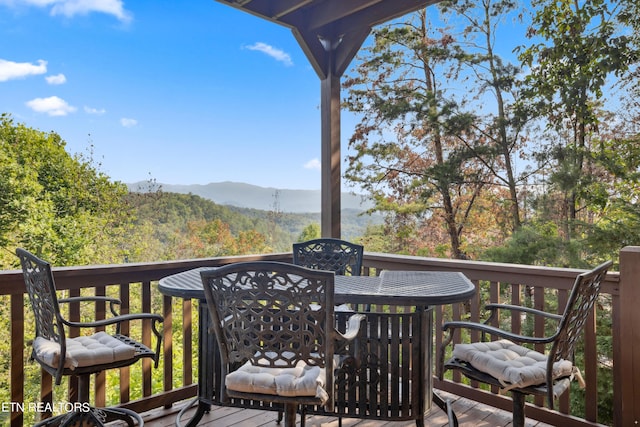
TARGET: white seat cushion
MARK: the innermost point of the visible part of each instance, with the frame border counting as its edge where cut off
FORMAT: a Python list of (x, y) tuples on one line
[(301, 380), (513, 365), (91, 350)]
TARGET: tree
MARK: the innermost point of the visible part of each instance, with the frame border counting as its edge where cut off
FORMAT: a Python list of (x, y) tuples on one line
[(613, 196), (57, 205), (310, 232), (580, 47), (407, 150), (494, 79), (629, 17)]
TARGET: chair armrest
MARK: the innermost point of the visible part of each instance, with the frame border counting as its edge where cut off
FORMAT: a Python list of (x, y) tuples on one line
[(115, 320), (494, 307), (353, 328), (90, 298), (351, 335), (112, 301), (492, 330)]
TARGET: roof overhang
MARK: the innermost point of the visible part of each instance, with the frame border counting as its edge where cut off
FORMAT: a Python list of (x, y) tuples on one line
[(320, 26)]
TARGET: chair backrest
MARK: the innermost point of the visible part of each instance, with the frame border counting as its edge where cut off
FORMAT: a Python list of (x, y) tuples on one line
[(581, 301), (38, 280), (273, 314), (335, 255)]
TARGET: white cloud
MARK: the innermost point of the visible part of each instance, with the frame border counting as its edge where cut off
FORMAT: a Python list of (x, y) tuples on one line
[(275, 53), (18, 70), (70, 8), (95, 111), (313, 164), (52, 106), (58, 79), (128, 123)]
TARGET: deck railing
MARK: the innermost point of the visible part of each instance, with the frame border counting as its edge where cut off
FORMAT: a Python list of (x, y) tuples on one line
[(496, 283)]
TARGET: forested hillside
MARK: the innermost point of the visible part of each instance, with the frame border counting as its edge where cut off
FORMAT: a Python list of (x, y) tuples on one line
[(57, 205), (65, 209)]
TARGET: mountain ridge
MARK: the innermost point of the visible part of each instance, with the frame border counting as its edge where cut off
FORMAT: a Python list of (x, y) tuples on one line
[(252, 196)]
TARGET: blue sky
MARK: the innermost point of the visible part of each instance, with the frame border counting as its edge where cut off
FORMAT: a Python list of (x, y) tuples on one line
[(183, 92)]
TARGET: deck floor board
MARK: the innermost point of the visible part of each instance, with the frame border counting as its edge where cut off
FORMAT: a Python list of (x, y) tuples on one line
[(469, 413)]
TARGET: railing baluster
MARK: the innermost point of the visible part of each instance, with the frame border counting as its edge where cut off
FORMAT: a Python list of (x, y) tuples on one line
[(100, 378), (74, 316), (516, 299), (146, 339), (591, 367), (125, 373), (494, 297), (167, 305), (539, 328), (187, 347), (17, 357), (564, 400)]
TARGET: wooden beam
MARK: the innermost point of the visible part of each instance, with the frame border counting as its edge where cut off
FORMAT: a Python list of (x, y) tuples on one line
[(320, 14), (313, 50), (273, 10), (330, 154), (379, 13), (348, 49)]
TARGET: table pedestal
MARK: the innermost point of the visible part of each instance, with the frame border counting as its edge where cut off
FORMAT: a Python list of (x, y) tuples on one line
[(392, 381), (208, 369)]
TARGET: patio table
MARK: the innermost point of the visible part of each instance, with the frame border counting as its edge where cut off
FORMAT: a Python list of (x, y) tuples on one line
[(383, 371)]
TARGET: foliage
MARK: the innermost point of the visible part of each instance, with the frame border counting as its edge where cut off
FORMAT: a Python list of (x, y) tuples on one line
[(577, 47), (420, 146), (499, 138), (536, 244), (54, 203), (310, 232), (180, 226), (407, 151)]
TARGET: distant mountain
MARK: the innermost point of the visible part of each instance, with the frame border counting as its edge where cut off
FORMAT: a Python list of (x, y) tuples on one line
[(255, 197)]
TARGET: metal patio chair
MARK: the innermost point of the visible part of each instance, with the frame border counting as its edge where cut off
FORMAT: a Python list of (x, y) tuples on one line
[(517, 368), (275, 327), (335, 255), (339, 256), (81, 356)]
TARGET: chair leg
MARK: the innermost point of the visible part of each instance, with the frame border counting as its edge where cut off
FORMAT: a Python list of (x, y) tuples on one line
[(290, 412), (84, 382), (303, 414), (446, 407), (518, 408), (95, 417)]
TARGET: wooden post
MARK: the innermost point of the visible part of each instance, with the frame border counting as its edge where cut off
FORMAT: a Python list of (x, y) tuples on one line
[(330, 154), (626, 350)]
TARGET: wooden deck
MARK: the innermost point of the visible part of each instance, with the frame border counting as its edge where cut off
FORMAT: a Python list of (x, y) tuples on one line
[(137, 284), (469, 413)]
